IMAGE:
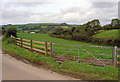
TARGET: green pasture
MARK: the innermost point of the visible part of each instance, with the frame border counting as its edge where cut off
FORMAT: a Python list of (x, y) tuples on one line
[(108, 34), (82, 52)]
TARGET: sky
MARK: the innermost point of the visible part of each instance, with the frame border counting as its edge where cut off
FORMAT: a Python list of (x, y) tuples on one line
[(57, 11)]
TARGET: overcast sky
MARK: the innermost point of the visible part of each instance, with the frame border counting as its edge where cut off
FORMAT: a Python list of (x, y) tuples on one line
[(58, 11)]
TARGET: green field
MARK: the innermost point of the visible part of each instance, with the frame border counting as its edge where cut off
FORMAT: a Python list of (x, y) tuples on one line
[(109, 34), (59, 49)]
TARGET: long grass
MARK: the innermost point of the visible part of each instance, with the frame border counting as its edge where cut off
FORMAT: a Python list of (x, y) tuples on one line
[(88, 72)]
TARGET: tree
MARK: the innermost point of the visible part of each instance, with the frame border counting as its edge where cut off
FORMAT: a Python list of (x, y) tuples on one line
[(3, 30), (11, 31), (115, 23), (58, 31), (92, 26)]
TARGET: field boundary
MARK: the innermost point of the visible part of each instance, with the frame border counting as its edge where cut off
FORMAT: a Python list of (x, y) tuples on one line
[(30, 44), (47, 49), (114, 61)]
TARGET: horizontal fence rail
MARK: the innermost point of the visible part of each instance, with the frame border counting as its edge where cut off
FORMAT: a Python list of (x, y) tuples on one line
[(82, 46), (30, 44)]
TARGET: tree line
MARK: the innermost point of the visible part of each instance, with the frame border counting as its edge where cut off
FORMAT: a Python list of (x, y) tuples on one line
[(38, 28), (85, 31)]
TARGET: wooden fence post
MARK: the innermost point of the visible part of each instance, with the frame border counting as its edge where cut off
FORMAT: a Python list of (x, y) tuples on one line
[(45, 48), (31, 45), (21, 42), (115, 56), (51, 49), (74, 58), (78, 55), (15, 41)]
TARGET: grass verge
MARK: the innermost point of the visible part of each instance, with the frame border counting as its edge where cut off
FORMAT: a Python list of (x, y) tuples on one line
[(30, 56), (88, 72)]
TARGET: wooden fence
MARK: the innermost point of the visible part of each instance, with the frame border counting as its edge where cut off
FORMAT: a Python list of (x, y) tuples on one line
[(35, 46), (47, 49)]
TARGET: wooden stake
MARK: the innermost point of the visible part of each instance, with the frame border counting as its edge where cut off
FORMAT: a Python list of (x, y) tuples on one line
[(45, 48), (51, 50), (74, 58), (78, 55), (112, 55), (15, 41), (31, 45), (21, 42)]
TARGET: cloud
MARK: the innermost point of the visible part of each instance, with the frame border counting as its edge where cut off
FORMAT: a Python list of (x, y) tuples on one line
[(25, 4), (74, 13), (14, 16), (105, 11), (74, 9), (103, 4), (119, 10)]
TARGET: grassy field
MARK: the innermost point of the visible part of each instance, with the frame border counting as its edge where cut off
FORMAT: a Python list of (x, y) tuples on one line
[(109, 34), (78, 70), (59, 49)]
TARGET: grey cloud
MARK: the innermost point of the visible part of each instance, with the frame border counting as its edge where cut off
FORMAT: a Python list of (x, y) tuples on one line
[(70, 10), (104, 11), (13, 16), (119, 10), (74, 9), (25, 4), (104, 4), (7, 14), (72, 14)]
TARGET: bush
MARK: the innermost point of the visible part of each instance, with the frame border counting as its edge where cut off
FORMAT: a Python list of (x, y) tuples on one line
[(69, 37), (10, 31), (10, 40)]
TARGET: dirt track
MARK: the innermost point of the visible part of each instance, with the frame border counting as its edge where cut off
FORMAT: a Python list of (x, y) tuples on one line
[(13, 69)]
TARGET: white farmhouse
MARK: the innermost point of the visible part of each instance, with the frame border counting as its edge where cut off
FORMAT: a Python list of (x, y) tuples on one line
[(32, 32)]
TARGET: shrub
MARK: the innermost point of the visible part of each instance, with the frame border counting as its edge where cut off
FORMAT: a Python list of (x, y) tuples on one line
[(10, 40), (10, 31)]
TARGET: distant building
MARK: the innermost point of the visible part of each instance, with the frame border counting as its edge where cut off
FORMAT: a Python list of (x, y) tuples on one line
[(32, 32)]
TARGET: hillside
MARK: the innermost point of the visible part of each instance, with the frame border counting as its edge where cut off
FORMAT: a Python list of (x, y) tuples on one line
[(108, 34), (39, 27)]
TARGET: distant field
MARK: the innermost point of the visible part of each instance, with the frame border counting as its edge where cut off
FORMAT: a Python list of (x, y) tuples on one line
[(46, 37), (35, 26), (109, 34), (45, 23)]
